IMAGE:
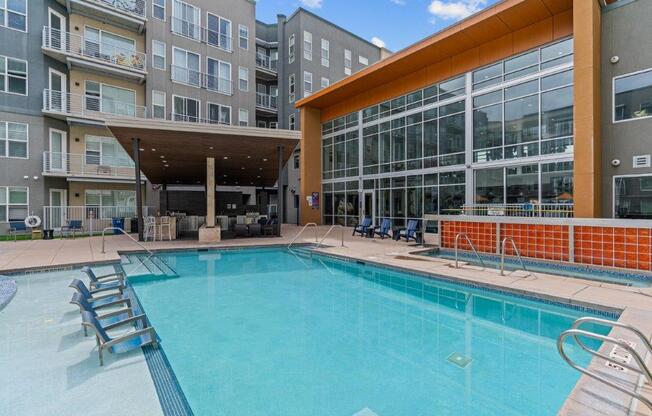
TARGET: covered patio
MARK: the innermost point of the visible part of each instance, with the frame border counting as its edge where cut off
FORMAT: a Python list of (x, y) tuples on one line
[(192, 155)]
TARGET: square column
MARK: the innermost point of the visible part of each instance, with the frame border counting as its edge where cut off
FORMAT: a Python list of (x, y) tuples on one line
[(210, 192)]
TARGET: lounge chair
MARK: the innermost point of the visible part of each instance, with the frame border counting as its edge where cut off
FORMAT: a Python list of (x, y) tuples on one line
[(72, 227), (107, 319), (16, 228), (112, 280), (270, 226), (96, 297), (409, 233), (384, 229), (125, 341), (363, 227)]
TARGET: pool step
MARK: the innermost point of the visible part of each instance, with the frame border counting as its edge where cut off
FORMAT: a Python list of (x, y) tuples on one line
[(137, 265)]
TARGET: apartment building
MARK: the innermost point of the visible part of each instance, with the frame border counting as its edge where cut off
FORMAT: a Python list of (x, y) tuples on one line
[(542, 109), (296, 57), (68, 66)]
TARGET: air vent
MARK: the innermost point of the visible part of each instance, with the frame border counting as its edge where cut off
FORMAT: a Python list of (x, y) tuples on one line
[(641, 161)]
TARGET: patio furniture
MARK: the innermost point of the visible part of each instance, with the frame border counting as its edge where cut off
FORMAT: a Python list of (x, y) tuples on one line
[(150, 228), (241, 230), (164, 224), (363, 227), (107, 319), (112, 280), (408, 233), (254, 230), (18, 227), (383, 230), (125, 341), (95, 296), (72, 227), (270, 226)]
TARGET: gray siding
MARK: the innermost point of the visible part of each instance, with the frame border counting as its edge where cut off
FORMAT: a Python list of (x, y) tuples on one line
[(623, 140)]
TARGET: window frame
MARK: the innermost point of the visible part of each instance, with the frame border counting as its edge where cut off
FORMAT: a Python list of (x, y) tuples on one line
[(7, 76), (307, 45), (613, 188), (292, 121), (8, 140), (242, 111), (164, 7), (187, 52), (348, 56), (229, 43), (219, 110), (220, 77), (197, 24), (185, 103), (327, 84), (164, 105), (240, 37), (7, 204), (164, 56), (240, 79), (292, 88), (613, 97), (326, 49), (291, 48), (362, 60), (5, 25), (306, 91)]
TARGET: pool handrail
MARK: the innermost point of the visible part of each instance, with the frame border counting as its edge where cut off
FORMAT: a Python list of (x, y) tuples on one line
[(125, 233), (319, 244), (310, 224), (457, 239), (502, 255), (642, 368)]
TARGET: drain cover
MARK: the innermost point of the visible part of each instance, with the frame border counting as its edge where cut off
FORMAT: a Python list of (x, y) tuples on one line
[(459, 360)]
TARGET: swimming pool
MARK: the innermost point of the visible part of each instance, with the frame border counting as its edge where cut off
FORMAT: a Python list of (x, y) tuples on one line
[(265, 332), (616, 276)]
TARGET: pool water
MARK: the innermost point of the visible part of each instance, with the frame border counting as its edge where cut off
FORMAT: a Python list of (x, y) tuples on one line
[(266, 332)]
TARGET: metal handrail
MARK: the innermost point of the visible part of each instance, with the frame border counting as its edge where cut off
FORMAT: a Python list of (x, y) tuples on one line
[(502, 255), (125, 233), (642, 368), (606, 322), (457, 239), (329, 230), (310, 224)]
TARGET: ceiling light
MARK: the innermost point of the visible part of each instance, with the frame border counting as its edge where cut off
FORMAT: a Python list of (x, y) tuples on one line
[(210, 147), (167, 166), (225, 176), (248, 157), (265, 160), (226, 157), (153, 150), (243, 168), (258, 176), (162, 157), (141, 149)]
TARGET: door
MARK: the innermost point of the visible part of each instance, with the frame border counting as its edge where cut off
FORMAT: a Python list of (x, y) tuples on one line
[(57, 97), (56, 216), (58, 151), (369, 205), (57, 31)]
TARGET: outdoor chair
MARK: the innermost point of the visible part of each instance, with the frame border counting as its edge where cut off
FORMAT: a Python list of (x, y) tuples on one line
[(409, 233), (254, 230), (97, 298), (112, 280), (72, 227), (270, 226), (107, 319), (150, 228), (164, 225), (125, 341), (241, 230), (362, 228), (17, 227), (383, 230)]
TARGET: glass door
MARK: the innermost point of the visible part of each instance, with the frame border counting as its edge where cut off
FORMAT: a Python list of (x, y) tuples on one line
[(58, 149), (57, 31), (368, 205), (57, 96), (57, 212)]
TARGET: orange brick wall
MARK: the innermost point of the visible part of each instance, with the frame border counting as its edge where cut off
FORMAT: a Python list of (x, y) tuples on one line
[(601, 246)]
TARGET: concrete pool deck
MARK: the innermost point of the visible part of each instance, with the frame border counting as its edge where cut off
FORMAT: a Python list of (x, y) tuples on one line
[(589, 397)]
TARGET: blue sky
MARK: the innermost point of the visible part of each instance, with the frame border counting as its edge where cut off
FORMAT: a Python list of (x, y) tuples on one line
[(397, 23)]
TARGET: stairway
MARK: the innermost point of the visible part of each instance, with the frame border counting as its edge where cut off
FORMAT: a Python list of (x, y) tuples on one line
[(143, 265)]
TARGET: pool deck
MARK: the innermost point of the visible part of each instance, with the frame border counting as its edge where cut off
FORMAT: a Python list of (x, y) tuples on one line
[(77, 361)]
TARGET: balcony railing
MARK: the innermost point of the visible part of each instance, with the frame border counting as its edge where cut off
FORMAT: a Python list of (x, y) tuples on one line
[(75, 45), (186, 118), (86, 165), (201, 34), (88, 106), (546, 210), (201, 80), (266, 101), (132, 7), (266, 62), (91, 218)]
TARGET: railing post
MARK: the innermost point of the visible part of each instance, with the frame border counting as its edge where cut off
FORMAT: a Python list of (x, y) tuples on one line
[(571, 243)]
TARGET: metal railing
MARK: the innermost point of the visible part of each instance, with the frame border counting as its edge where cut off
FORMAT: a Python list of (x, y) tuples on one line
[(641, 368), (76, 45), (89, 105), (132, 7), (310, 224), (125, 233), (213, 83), (549, 210), (502, 255), (196, 32), (266, 62), (319, 244), (87, 219), (466, 237), (58, 164), (201, 80), (266, 101)]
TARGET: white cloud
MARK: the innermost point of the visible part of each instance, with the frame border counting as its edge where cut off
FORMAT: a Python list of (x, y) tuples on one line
[(313, 4), (378, 42), (399, 2), (458, 9)]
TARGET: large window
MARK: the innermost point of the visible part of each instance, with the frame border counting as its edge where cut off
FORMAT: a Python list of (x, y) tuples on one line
[(109, 99), (110, 47), (14, 205), (106, 151), (185, 109), (218, 76), (13, 75), (633, 96), (108, 204), (243, 36), (158, 54), (186, 20), (158, 105), (219, 32), (158, 9), (13, 14), (307, 46), (13, 139), (186, 67), (243, 78), (243, 117), (633, 197), (219, 114)]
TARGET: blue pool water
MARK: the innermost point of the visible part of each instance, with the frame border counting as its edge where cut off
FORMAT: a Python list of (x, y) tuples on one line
[(262, 332)]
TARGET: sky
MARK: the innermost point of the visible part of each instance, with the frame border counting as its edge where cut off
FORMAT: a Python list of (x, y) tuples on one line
[(394, 24)]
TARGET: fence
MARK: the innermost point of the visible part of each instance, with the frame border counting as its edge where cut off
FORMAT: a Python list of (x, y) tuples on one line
[(599, 242), (91, 219), (547, 210), (266, 62), (69, 164), (196, 32), (266, 101)]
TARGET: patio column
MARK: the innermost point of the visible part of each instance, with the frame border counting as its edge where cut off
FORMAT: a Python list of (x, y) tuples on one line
[(135, 142), (210, 192), (280, 196)]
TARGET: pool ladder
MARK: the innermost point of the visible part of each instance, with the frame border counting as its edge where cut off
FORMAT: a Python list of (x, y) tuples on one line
[(502, 255), (466, 237), (641, 368)]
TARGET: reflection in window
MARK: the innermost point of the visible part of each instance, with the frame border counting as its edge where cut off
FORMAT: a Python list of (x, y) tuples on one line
[(633, 197), (633, 96)]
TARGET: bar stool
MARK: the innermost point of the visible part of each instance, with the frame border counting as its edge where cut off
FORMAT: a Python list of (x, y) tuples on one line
[(150, 228), (165, 223)]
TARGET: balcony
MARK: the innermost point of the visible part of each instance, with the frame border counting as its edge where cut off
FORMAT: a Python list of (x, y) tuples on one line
[(129, 14), (87, 166), (266, 102), (201, 34), (539, 210), (65, 105), (76, 51), (200, 80), (266, 64)]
